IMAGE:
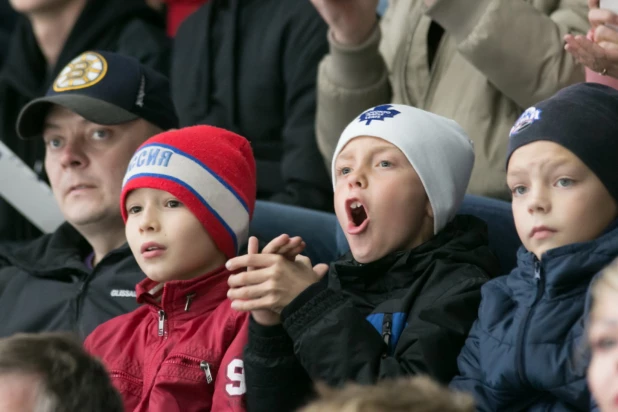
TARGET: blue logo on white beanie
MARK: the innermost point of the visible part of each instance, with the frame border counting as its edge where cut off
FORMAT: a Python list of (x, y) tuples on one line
[(378, 113), (531, 115)]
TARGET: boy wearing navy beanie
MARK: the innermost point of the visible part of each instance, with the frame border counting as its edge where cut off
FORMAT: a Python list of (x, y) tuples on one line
[(561, 169)]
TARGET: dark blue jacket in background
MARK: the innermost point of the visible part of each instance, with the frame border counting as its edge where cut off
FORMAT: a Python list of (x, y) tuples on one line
[(525, 351)]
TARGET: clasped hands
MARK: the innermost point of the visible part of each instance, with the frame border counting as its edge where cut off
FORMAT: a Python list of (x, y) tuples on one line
[(272, 279)]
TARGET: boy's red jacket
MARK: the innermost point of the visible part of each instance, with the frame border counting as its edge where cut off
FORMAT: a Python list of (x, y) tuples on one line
[(180, 351)]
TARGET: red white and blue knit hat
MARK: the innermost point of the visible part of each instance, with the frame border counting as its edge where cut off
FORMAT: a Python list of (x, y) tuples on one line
[(210, 170)]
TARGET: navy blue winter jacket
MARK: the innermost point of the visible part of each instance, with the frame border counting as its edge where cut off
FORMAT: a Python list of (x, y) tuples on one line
[(525, 351)]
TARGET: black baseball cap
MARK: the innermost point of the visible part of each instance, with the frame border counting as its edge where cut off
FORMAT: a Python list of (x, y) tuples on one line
[(105, 88)]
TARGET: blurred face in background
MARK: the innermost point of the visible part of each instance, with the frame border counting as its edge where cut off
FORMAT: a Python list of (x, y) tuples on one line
[(18, 392), (603, 341)]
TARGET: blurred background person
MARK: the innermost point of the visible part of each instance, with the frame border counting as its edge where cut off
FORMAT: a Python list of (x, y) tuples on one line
[(52, 373), (417, 394), (7, 22), (603, 341), (479, 63), (250, 67)]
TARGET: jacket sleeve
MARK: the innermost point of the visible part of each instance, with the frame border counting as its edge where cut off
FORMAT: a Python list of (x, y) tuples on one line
[(230, 385), (306, 181), (335, 343), (276, 381), (350, 80), (518, 47)]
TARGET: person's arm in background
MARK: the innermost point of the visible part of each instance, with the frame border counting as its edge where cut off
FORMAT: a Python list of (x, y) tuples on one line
[(519, 48), (306, 180), (599, 50), (353, 76)]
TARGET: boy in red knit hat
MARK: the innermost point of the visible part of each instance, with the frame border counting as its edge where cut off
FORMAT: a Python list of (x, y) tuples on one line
[(187, 199)]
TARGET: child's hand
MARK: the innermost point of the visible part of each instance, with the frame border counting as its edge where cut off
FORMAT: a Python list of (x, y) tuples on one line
[(285, 246), (281, 245), (271, 281)]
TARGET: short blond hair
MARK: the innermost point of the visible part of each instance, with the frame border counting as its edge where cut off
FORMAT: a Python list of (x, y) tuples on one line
[(608, 280), (417, 394)]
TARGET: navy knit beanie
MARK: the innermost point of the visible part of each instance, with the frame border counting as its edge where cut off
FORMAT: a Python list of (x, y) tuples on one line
[(582, 118)]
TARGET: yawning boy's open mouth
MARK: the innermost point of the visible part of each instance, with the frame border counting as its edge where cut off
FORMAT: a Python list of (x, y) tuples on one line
[(357, 216)]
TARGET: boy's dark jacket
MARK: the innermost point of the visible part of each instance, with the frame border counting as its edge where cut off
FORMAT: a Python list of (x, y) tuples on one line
[(421, 302), (124, 26), (45, 285), (525, 351), (250, 66)]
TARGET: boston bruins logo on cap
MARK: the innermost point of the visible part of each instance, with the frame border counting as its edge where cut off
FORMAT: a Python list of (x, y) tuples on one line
[(84, 71)]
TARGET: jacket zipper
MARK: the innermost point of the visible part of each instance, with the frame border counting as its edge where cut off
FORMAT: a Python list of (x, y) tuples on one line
[(190, 297), (80, 297), (540, 287), (387, 329), (162, 317), (80, 292), (205, 366), (125, 376)]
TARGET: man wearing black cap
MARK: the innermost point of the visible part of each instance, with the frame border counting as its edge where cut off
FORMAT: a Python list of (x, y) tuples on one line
[(100, 108)]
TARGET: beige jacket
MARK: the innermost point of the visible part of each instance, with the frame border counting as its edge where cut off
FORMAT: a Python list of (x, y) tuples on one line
[(496, 58)]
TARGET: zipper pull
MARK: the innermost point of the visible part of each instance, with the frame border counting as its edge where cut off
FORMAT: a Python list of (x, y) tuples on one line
[(537, 270), (387, 326), (161, 322), (205, 366), (190, 297)]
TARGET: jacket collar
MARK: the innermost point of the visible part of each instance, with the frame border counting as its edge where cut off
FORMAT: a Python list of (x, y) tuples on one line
[(184, 299), (54, 253), (566, 268), (463, 240)]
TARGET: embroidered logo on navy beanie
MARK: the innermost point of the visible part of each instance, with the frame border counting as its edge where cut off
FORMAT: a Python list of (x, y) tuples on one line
[(531, 115)]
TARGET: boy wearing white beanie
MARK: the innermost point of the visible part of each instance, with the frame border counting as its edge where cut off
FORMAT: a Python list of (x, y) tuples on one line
[(404, 298)]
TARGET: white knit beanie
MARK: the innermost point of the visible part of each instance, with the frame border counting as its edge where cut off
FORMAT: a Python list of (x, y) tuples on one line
[(438, 148)]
